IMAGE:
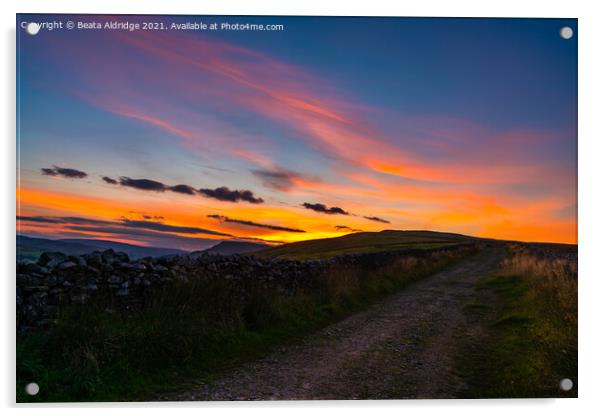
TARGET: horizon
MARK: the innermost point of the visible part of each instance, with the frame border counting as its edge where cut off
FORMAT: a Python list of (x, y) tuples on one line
[(332, 126), (236, 240)]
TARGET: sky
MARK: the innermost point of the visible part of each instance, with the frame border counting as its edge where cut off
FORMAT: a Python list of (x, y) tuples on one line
[(182, 138)]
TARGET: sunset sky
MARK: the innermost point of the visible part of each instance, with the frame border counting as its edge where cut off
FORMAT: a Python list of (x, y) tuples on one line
[(334, 125)]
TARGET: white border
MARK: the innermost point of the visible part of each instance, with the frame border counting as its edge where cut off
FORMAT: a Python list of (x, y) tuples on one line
[(590, 207)]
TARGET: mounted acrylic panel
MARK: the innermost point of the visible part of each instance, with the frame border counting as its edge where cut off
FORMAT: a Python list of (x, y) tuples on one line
[(295, 208)]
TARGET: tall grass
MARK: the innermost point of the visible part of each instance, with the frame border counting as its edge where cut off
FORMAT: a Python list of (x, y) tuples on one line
[(532, 342), (193, 330), (552, 285)]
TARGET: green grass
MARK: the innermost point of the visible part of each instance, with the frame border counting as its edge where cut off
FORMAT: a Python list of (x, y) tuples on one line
[(359, 249), (364, 242), (193, 332), (529, 346)]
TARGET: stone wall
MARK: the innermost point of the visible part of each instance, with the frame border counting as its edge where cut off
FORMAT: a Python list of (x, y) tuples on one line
[(57, 280)]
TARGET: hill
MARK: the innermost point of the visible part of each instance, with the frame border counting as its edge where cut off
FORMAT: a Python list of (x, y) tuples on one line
[(29, 248), (133, 250), (235, 247), (365, 242)]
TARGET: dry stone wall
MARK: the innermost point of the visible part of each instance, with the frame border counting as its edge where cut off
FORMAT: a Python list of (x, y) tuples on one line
[(57, 280)]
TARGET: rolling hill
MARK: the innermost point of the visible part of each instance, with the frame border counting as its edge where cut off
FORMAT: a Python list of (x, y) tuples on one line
[(365, 242), (235, 247), (29, 248)]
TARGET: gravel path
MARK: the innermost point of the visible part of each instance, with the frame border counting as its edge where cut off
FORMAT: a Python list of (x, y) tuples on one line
[(401, 348)]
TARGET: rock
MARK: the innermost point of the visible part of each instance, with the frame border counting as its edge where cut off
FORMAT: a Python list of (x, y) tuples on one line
[(79, 298), (160, 268), (108, 256), (51, 281), (92, 287), (122, 257), (78, 260), (131, 266), (51, 259), (122, 292), (32, 268), (67, 265), (138, 266), (123, 265), (92, 270), (93, 259), (114, 280), (168, 260), (35, 288), (27, 280)]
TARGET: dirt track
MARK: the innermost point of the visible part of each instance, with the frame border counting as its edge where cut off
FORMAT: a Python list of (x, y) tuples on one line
[(403, 347)]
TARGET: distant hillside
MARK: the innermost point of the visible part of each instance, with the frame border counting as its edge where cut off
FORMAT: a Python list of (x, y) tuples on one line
[(366, 242), (235, 247), (29, 248)]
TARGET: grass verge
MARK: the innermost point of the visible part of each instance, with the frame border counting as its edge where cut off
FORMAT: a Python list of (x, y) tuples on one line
[(531, 331)]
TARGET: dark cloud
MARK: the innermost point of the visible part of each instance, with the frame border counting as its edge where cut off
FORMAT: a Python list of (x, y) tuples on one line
[(146, 232), (324, 209), (156, 238), (183, 189), (225, 194), (150, 185), (377, 219), (63, 220), (64, 172), (84, 220), (255, 224), (222, 193), (116, 229), (48, 171), (159, 226), (143, 184), (280, 179), (345, 228), (153, 217), (146, 216), (261, 240), (123, 222), (46, 220)]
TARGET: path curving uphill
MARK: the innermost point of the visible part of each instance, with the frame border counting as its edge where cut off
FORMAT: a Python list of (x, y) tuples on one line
[(401, 348)]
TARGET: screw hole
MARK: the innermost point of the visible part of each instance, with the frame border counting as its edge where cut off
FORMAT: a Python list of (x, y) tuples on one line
[(566, 32), (32, 28), (566, 384), (32, 389)]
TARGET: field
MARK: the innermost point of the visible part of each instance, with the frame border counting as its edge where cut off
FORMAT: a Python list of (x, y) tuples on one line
[(479, 319), (196, 330), (363, 242)]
